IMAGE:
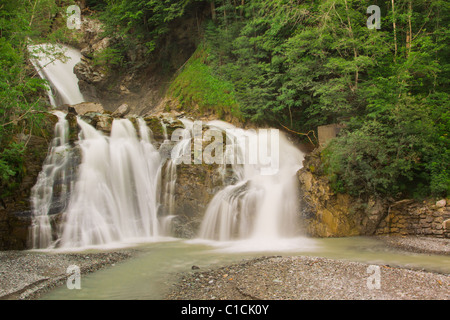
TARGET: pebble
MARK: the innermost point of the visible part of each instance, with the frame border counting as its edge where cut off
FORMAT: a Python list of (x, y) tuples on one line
[(312, 278)]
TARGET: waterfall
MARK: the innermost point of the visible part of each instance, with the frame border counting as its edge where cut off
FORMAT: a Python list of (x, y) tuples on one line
[(53, 186), (258, 210), (114, 198), (118, 189), (55, 63)]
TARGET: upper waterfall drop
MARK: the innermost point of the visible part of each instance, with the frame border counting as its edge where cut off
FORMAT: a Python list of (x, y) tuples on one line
[(55, 63)]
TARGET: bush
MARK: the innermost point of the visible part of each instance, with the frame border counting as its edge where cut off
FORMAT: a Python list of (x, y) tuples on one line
[(402, 152)]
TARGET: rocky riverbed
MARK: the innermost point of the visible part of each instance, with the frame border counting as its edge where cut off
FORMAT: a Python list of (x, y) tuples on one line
[(314, 278), (310, 278), (417, 244), (26, 275)]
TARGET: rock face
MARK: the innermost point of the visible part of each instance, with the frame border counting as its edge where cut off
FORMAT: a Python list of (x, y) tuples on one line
[(328, 214), (92, 77), (196, 186), (83, 108), (15, 208), (122, 111)]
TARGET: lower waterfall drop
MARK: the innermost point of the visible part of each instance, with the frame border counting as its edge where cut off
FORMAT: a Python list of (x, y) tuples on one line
[(57, 173), (259, 211), (114, 198)]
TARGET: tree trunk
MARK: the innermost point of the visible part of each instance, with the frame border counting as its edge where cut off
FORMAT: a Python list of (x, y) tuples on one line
[(395, 30), (409, 33), (355, 52), (213, 11)]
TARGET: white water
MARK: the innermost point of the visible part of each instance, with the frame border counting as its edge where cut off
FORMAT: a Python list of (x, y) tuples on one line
[(56, 170), (59, 72), (114, 199), (123, 181), (259, 211)]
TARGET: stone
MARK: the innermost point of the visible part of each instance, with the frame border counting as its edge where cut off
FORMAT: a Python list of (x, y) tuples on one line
[(441, 203), (87, 107), (121, 111), (439, 219), (104, 123), (446, 224)]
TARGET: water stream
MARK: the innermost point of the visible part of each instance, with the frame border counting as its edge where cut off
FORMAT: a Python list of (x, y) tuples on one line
[(55, 63), (155, 269)]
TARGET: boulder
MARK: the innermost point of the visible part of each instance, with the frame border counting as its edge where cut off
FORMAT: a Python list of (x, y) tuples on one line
[(122, 111), (441, 203), (87, 72), (446, 225), (88, 107)]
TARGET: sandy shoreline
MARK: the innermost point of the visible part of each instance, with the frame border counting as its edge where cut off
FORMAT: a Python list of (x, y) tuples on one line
[(26, 275)]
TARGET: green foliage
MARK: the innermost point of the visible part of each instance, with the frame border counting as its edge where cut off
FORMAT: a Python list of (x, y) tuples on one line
[(395, 153), (108, 57), (139, 22), (300, 64), (314, 63), (20, 88), (11, 162), (197, 86)]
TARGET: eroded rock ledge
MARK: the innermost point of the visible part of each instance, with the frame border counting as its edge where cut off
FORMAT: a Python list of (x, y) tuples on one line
[(195, 186)]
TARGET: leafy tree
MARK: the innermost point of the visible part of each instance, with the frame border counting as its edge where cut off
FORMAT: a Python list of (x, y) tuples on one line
[(21, 90)]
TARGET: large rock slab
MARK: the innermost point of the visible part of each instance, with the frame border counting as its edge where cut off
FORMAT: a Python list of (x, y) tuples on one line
[(328, 214)]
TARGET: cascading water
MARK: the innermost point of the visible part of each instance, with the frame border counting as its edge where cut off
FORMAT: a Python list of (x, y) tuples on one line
[(181, 149), (57, 173), (115, 196), (259, 210), (114, 199), (55, 63), (124, 189)]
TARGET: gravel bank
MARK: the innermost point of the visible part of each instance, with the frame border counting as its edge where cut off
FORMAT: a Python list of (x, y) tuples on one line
[(26, 275), (418, 244), (308, 278)]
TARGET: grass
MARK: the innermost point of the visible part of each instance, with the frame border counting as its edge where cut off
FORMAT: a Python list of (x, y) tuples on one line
[(197, 87)]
